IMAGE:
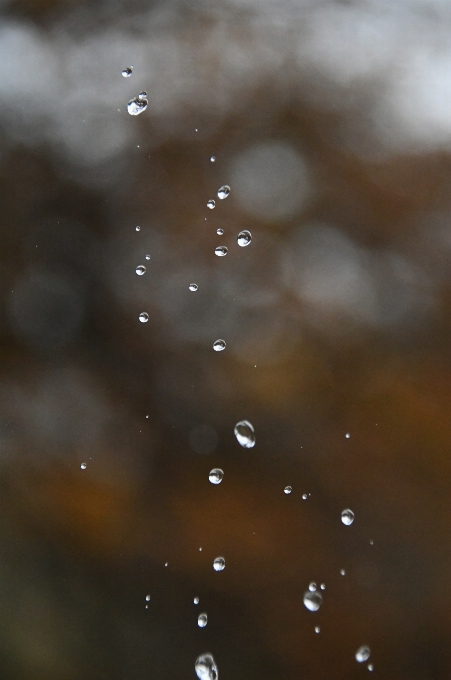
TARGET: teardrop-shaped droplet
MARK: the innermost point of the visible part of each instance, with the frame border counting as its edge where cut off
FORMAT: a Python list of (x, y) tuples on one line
[(313, 600), (219, 345), (140, 270), (193, 286), (221, 251), (312, 586), (83, 466), (220, 231), (138, 104), (143, 317), (347, 517), (223, 191), (202, 620), (206, 668), (211, 204), (219, 564), (127, 71), (216, 476), (363, 654), (287, 489), (244, 238), (244, 432)]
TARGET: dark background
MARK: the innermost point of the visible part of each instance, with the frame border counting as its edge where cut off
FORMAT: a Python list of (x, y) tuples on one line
[(331, 122)]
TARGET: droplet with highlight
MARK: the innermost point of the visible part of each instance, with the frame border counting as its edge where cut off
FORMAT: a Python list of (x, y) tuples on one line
[(196, 600), (193, 287), (213, 158), (219, 564), (312, 586), (287, 489), (347, 435), (221, 251), (220, 231), (206, 668), (140, 269), (211, 204), (223, 191), (83, 466), (147, 598), (219, 345), (244, 238), (216, 476), (147, 257), (138, 104), (137, 228), (202, 620), (370, 667), (317, 629), (347, 517), (363, 654), (127, 72), (312, 601), (143, 317), (245, 434), (304, 496)]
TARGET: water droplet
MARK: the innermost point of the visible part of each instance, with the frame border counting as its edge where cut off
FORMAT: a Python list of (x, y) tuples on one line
[(221, 251), (213, 158), (219, 345), (223, 191), (143, 317), (147, 598), (220, 231), (244, 238), (83, 466), (347, 435), (312, 586), (219, 564), (202, 620), (211, 204), (370, 667), (200, 549), (206, 668), (323, 586), (317, 629), (371, 542), (140, 270), (216, 476), (363, 653), (127, 72), (138, 104), (196, 600), (138, 228), (147, 606), (244, 432), (304, 496), (347, 517), (193, 286), (312, 600), (147, 257), (287, 489), (166, 564), (343, 572)]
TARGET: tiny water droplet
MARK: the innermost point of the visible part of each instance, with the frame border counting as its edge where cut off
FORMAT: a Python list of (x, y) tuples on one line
[(202, 620), (83, 466), (138, 104), (219, 564), (127, 71), (370, 667), (193, 286), (323, 586), (140, 270), (363, 654), (371, 542), (244, 238), (312, 586), (166, 564), (312, 601), (196, 600), (213, 158), (147, 598), (223, 191), (347, 435), (143, 317), (219, 345), (211, 204), (147, 257), (147, 606), (220, 231), (245, 434), (216, 476), (287, 489), (304, 496), (221, 251), (317, 629), (347, 517), (206, 668), (343, 572), (200, 549)]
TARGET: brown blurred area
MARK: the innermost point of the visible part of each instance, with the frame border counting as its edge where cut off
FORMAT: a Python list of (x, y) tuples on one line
[(331, 123)]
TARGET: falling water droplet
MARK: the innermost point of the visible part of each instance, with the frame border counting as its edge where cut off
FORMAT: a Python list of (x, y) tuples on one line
[(202, 620), (317, 629), (196, 600), (244, 432), (371, 542), (137, 228), (219, 564), (370, 667), (211, 204), (304, 496), (83, 466), (244, 238), (127, 72), (312, 586), (193, 286), (213, 158), (143, 317), (216, 476), (343, 572), (287, 489), (220, 231), (138, 104), (147, 598), (206, 668), (323, 586), (223, 191), (347, 435), (147, 257), (219, 345), (347, 517), (221, 251), (140, 270), (312, 600), (363, 653)]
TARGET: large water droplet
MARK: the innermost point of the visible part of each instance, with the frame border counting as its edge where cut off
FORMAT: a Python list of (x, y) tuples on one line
[(347, 517), (219, 345), (202, 620), (219, 564), (244, 238), (220, 251), (244, 432), (138, 104), (127, 71), (193, 287), (216, 476), (220, 231), (196, 600), (363, 653), (287, 489), (223, 191), (211, 204), (143, 317), (140, 270), (312, 586), (313, 600), (83, 466), (206, 668)]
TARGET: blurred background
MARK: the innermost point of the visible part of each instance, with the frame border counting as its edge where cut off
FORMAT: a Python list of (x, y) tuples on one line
[(331, 123)]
